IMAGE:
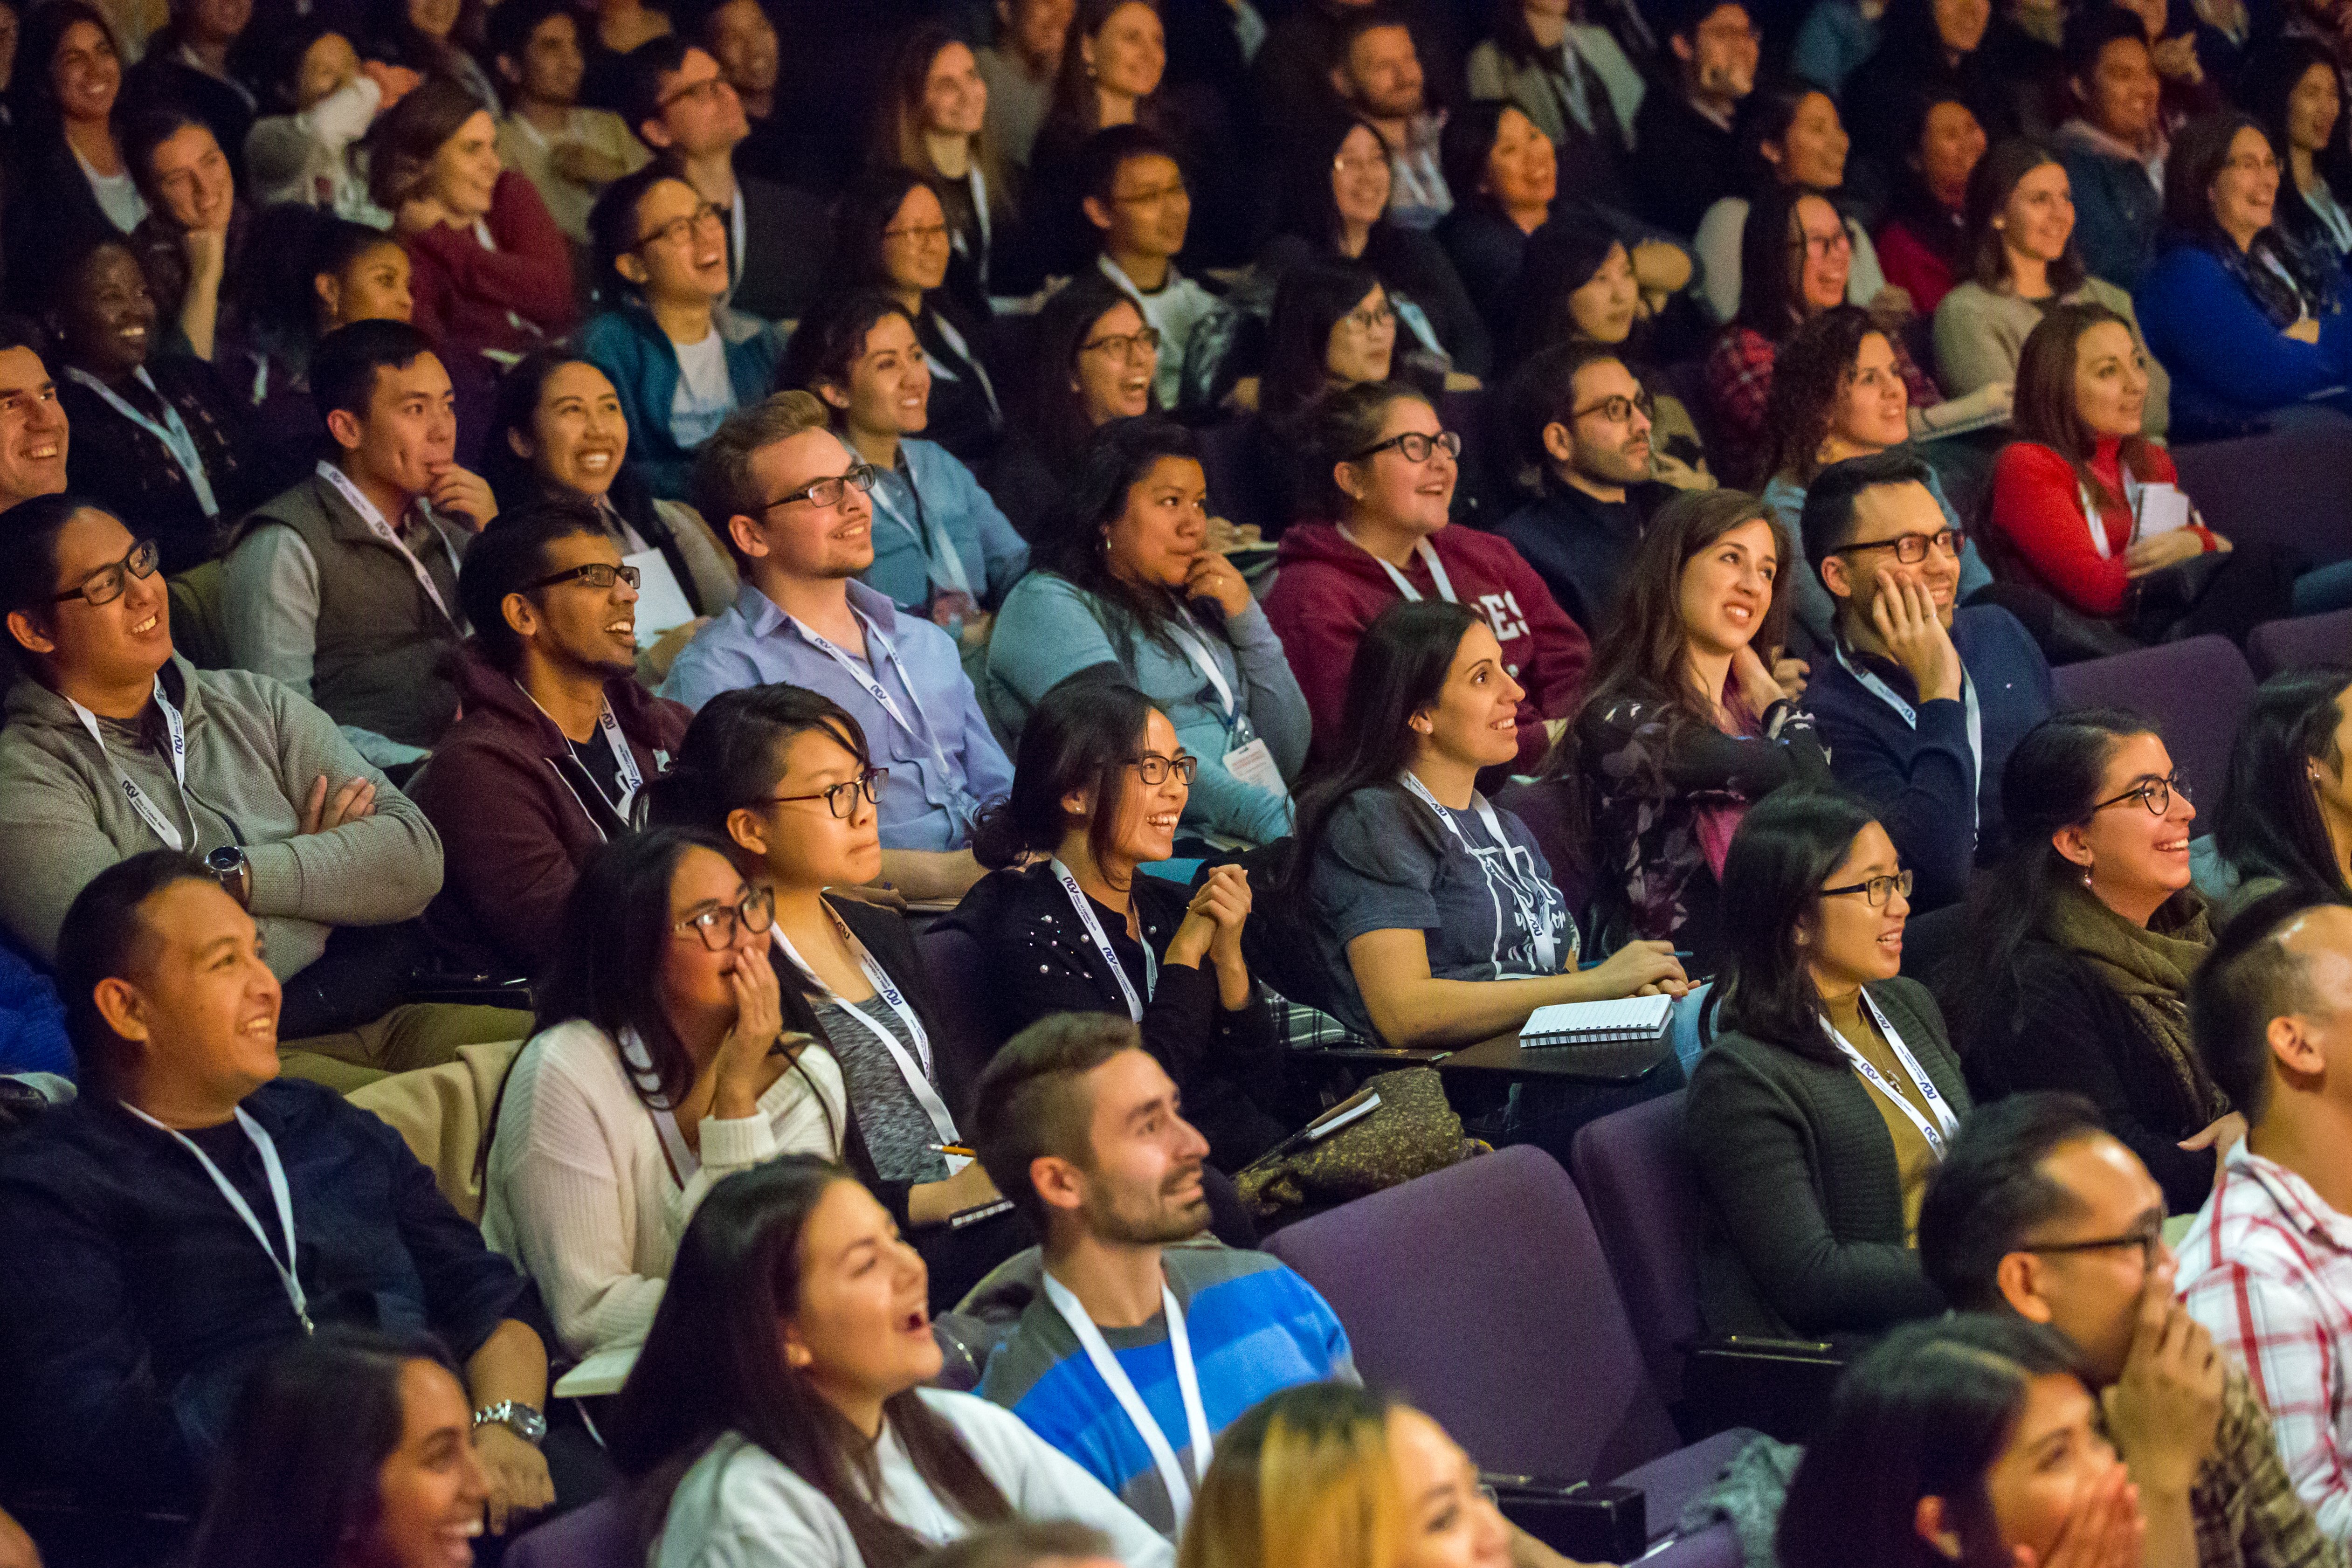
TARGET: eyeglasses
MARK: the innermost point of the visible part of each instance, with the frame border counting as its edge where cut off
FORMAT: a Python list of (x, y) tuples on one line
[(2147, 1238), (1912, 547), (679, 230), (721, 925), (919, 233), (1154, 768), (1175, 193), (827, 492), (107, 583), (1358, 166), (1816, 245), (1414, 447), (1375, 321), (841, 799), (1617, 409), (1875, 892), (2154, 794), (1125, 345), (595, 575), (705, 90)]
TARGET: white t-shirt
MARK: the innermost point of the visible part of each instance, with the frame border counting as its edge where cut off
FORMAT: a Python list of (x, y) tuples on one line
[(704, 395)]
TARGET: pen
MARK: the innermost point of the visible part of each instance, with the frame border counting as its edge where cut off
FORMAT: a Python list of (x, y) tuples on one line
[(961, 1151)]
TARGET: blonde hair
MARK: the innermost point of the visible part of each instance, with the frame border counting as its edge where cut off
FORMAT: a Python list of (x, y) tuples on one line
[(1303, 1480)]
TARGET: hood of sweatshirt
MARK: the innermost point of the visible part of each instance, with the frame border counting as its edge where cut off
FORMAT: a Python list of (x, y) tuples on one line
[(647, 720)]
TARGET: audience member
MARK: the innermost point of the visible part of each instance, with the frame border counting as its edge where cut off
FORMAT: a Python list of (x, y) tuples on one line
[(1689, 159), (1790, 135), (66, 160), (1136, 200), (422, 35), (792, 1349), (1571, 82), (1690, 717), (2084, 942), (781, 146), (1082, 1126), (2290, 89), (1099, 786), (195, 64), (947, 555), (568, 152), (141, 1279), (1334, 324), (1377, 75), (306, 273), (791, 500), (2263, 1266), (2285, 817), (556, 738), (1383, 467), (2022, 262), (2038, 1211), (344, 587), (1833, 39), (1924, 46), (1020, 69), (1093, 362), (34, 432), (1923, 243), (1427, 936), (196, 230), (934, 124), (2113, 144), (610, 31), (1920, 701), (323, 99)]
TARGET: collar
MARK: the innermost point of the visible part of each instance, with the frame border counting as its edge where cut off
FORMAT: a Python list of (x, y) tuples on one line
[(765, 619), (2091, 138), (2293, 1197)]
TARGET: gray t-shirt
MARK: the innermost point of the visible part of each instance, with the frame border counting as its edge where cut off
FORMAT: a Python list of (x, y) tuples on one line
[(899, 1135)]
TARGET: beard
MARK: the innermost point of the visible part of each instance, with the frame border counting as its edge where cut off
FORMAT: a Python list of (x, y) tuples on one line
[(1155, 1222)]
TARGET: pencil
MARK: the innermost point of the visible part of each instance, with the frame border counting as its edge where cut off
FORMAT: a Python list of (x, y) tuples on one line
[(962, 1151)]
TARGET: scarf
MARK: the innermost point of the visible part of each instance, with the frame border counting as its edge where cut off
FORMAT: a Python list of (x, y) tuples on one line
[(2149, 969), (2274, 272)]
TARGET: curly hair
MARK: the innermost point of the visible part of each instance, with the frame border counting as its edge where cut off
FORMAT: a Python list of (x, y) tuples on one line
[(1814, 368)]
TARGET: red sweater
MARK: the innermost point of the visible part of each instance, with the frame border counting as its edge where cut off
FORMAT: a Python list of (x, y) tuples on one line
[(1327, 591), (462, 293), (2037, 507)]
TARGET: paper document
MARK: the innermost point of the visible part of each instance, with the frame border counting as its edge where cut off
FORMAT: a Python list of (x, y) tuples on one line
[(2162, 508), (661, 604)]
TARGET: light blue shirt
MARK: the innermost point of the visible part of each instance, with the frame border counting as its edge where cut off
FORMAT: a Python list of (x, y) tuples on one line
[(954, 514), (942, 773)]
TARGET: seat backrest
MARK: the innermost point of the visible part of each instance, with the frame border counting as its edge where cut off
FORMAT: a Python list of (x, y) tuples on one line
[(1638, 1186), (2236, 487), (2300, 643), (956, 966), (596, 1536), (2197, 689), (1240, 491), (1544, 807), (1480, 1292), (442, 1114)]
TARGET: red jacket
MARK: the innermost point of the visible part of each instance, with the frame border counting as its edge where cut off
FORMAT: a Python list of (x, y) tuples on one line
[(462, 293), (1327, 591), (514, 831), (2037, 507)]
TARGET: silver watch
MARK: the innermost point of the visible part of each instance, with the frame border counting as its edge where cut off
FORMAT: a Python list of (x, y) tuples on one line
[(523, 1420)]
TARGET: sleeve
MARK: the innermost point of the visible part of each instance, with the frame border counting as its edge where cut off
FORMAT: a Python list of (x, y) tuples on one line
[(1864, 278), (1042, 1482), (1004, 555), (508, 867), (2200, 321), (530, 272), (606, 342), (1740, 382), (1970, 349), (1278, 708), (269, 613), (2280, 1334), (987, 772), (2037, 507), (1438, 289), (1717, 245), (379, 869), (1703, 760), (1320, 625), (468, 1288), (1372, 871), (707, 668), (1925, 393), (1926, 799), (2279, 1530), (51, 848)]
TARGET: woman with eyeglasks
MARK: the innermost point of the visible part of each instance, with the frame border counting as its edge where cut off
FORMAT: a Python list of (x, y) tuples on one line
[(1073, 922), (2083, 943), (1830, 1091), (1093, 362), (681, 359)]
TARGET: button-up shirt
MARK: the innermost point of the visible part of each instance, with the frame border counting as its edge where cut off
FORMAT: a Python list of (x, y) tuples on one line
[(944, 763)]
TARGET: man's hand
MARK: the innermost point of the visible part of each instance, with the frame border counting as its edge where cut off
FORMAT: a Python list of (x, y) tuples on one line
[(934, 1203), (584, 165), (355, 800), (2165, 1408), (1681, 475), (463, 495), (421, 215), (2306, 330), (670, 643), (1904, 616), (517, 1472), (2159, 551)]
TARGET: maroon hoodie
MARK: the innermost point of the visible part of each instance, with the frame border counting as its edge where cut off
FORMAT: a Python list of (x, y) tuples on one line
[(514, 829), (1327, 591)]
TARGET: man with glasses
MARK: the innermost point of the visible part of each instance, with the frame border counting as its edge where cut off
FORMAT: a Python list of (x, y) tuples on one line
[(2037, 1210), (791, 502), (558, 738), (1918, 700), (1687, 157), (32, 422), (2268, 1265), (1136, 200)]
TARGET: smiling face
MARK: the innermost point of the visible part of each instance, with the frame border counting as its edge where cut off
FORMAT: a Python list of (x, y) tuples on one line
[(1822, 250), (801, 841), (577, 432), (700, 114), (2244, 190), (1449, 1522), (551, 66), (465, 170), (1845, 943), (1381, 74), (1360, 177), (1143, 823), (431, 1489), (2120, 99), (33, 435), (2110, 380), (1392, 489), (914, 244), (199, 1005), (1476, 719), (681, 254), (410, 434), (1114, 367), (955, 98), (696, 982), (1150, 211), (1950, 143), (191, 178), (889, 390), (572, 626), (373, 288), (109, 318), (2038, 219), (801, 539), (1726, 588), (1162, 528), (85, 73), (1521, 168), (2311, 108), (2054, 1451), (1873, 406), (2136, 858), (1141, 1183), (1812, 151), (89, 646), (861, 1330), (1128, 53), (744, 41), (1882, 515), (1604, 305), (1362, 343)]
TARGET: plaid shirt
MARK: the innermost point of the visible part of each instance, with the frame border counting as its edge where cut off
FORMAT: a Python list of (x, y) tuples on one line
[(2267, 1269), (1739, 378)]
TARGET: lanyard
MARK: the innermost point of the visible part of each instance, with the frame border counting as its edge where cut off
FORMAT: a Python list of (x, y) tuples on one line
[(1575, 95), (279, 1193), (683, 1163), (632, 780), (1198, 651), (1086, 908), (930, 536), (390, 535), (1945, 1123), (873, 686), (1122, 1388), (915, 1072), (141, 801), (1909, 715), (978, 180), (1537, 900), (1428, 554), (738, 237), (172, 432)]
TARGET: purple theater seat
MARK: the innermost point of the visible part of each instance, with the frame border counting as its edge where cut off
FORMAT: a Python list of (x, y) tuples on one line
[(1240, 491), (1638, 1186), (596, 1536), (1544, 807), (1480, 1292), (2197, 690), (2300, 643), (957, 967), (1718, 1546), (2290, 486)]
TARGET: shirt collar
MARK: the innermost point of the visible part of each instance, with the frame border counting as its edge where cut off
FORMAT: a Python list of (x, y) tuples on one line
[(2297, 1204), (763, 618)]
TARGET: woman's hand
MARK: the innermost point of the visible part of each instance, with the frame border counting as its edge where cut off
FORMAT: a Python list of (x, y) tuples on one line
[(207, 251), (1754, 681), (2159, 551), (1639, 968), (747, 1063), (1224, 899), (1212, 576), (421, 215), (2103, 1528)]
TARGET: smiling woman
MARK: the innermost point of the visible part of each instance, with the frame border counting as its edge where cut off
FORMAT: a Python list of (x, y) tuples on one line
[(195, 230)]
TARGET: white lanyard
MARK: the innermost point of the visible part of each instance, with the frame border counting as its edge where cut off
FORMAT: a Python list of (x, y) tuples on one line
[(1539, 901), (172, 432), (1122, 1388), (739, 237), (1575, 94), (978, 180), (1428, 554), (1945, 1123), (1909, 715), (917, 1073), (279, 1193), (1079, 902), (937, 550), (391, 535), (632, 780), (962, 348), (683, 1164), (1198, 651), (873, 686), (151, 813)]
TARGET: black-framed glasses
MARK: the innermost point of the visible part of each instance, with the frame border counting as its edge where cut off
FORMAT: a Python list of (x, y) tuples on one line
[(1123, 345), (598, 575), (720, 925), (1377, 320), (2148, 1238), (2154, 794), (708, 87), (1821, 245), (679, 229), (107, 584), (1154, 769), (1414, 447), (827, 492), (1912, 547), (1618, 408), (841, 799), (1876, 890), (919, 233)]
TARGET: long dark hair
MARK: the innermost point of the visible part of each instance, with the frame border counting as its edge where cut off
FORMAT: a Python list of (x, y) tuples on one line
[(300, 1476), (1072, 535), (1766, 117), (1308, 209), (2268, 80), (1934, 225), (2197, 158), (1057, 410), (1771, 298), (1562, 257), (830, 339), (2046, 411), (1081, 736), (1787, 844), (712, 1364), (40, 29), (2268, 824), (1313, 298), (1071, 117), (1813, 371), (404, 140), (867, 207), (1991, 184), (1400, 669), (899, 138), (1924, 1414), (1468, 139)]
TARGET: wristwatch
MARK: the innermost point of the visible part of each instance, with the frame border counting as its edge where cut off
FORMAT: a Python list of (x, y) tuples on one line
[(523, 1420), (230, 866)]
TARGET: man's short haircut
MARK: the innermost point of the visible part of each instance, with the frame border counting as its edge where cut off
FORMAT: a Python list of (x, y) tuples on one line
[(1022, 1543), (344, 365), (642, 69), (100, 940), (1683, 17), (2091, 30), (1543, 393), (511, 24), (1991, 1193), (510, 551), (1027, 1103), (23, 333), (2247, 980), (723, 485), (1364, 19), (1107, 150), (1830, 501)]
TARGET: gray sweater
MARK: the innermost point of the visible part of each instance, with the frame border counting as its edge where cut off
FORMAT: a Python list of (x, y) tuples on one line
[(254, 749), (1980, 336)]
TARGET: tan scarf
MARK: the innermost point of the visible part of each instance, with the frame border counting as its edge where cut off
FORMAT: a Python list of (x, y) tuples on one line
[(2149, 969)]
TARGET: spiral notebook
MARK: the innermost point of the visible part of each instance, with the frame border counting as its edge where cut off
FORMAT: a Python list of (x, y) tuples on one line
[(1629, 1020)]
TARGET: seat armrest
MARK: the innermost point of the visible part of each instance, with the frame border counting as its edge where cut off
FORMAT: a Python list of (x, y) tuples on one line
[(1580, 1520), (1780, 1387)]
